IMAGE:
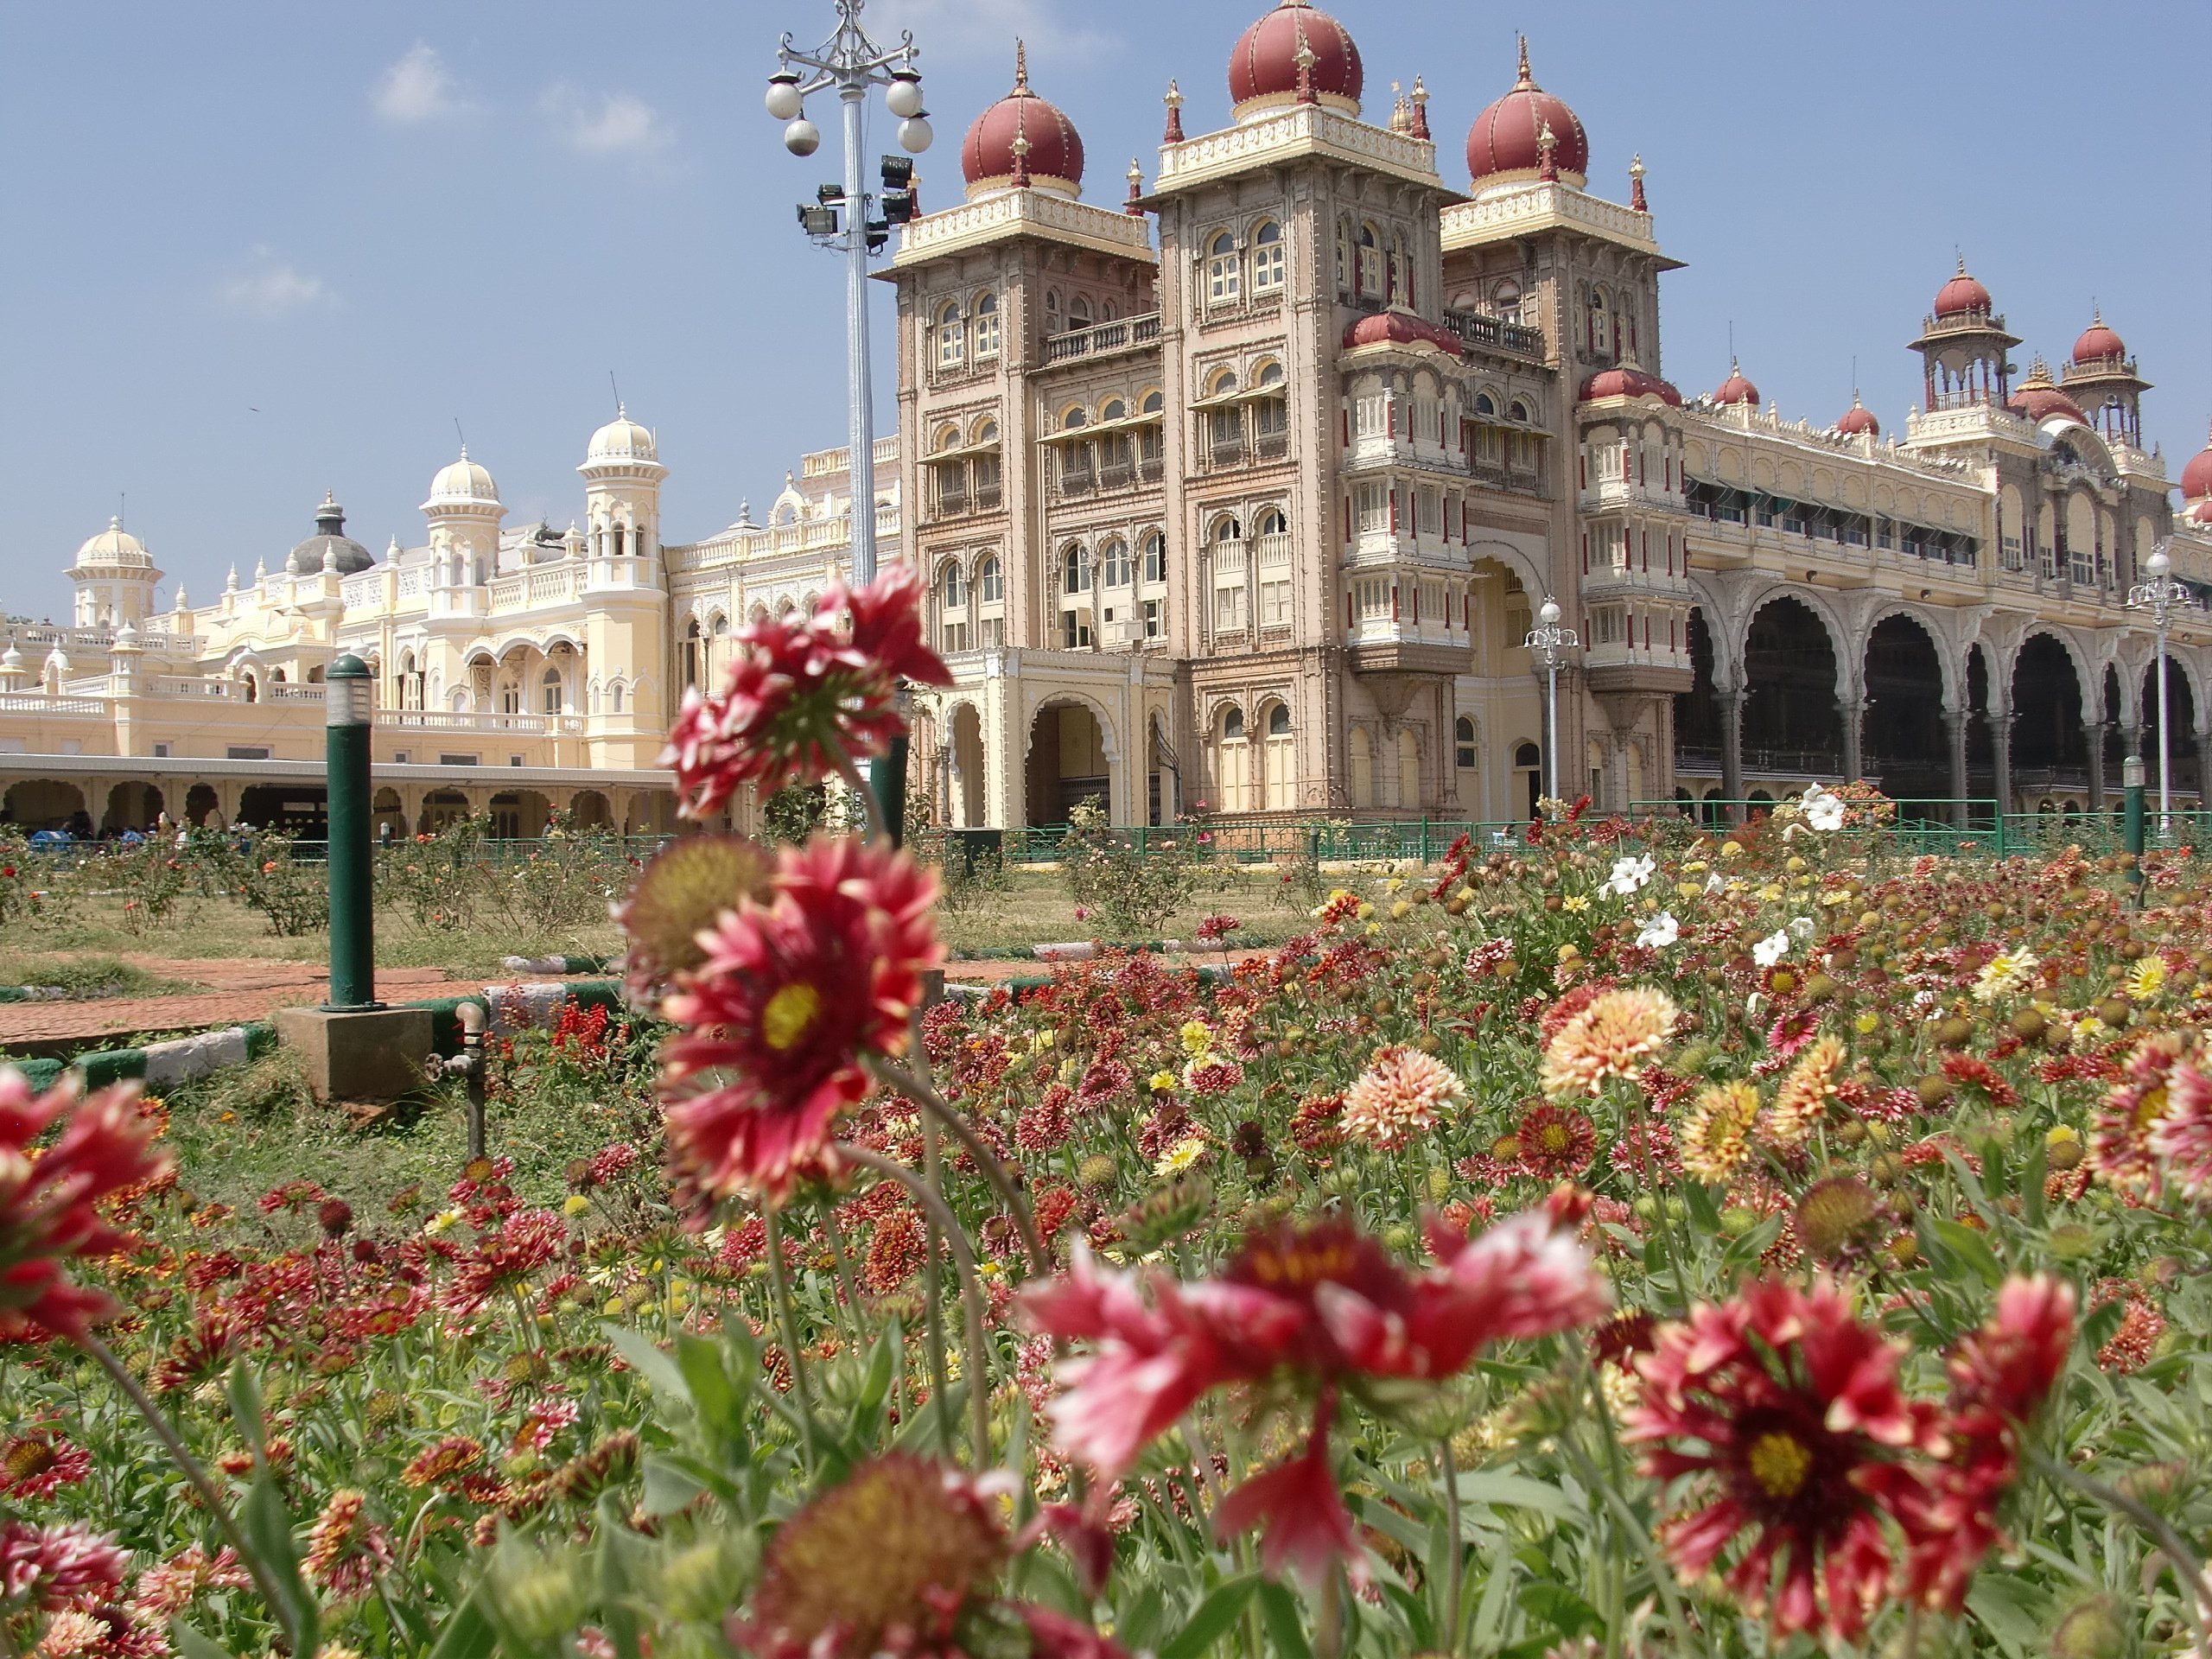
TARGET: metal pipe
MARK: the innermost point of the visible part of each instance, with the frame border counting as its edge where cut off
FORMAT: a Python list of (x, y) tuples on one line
[(347, 691)]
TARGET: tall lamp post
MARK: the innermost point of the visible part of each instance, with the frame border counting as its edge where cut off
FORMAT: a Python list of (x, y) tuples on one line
[(1551, 643), (2160, 595), (842, 217), (348, 699)]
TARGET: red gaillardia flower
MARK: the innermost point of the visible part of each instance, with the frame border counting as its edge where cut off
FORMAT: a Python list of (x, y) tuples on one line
[(1788, 1412), (1317, 1307), (49, 1197), (805, 695), (793, 993)]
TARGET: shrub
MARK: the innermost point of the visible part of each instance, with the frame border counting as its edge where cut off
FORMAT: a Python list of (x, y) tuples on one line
[(1133, 885)]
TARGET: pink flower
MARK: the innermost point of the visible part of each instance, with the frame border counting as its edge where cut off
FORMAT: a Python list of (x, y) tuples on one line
[(793, 995), (805, 695), (52, 1567), (49, 1197)]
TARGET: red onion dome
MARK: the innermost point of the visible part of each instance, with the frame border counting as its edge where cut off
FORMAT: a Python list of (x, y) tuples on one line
[(1505, 145), (1400, 328), (1858, 420), (1626, 380), (1736, 388), (2196, 477), (1961, 295), (2099, 344), (1263, 70), (2199, 512), (2038, 398), (1023, 141)]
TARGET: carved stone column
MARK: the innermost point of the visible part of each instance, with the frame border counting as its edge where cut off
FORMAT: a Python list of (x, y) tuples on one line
[(1954, 733), (1854, 722), (2000, 748), (2094, 731), (1732, 751)]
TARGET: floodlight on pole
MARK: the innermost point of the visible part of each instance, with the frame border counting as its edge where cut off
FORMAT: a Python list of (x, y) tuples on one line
[(1549, 643)]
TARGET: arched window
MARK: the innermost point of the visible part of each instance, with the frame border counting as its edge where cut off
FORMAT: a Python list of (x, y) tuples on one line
[(1267, 257), (1370, 262), (1527, 754), (1079, 311), (1114, 410), (1401, 271), (1225, 270), (1222, 382), (1232, 725), (510, 696), (1074, 418), (1463, 742), (1601, 326), (1153, 403), (1505, 299), (986, 325), (954, 586), (1343, 256), (1269, 522), (1278, 722), (614, 697), (1226, 529), (1270, 374), (1485, 404), (1520, 411), (1075, 570), (1114, 563), (691, 653), (990, 583), (952, 337), (1278, 762), (1154, 547), (550, 691)]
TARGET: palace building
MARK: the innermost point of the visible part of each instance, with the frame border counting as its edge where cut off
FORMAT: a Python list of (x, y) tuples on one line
[(1244, 491)]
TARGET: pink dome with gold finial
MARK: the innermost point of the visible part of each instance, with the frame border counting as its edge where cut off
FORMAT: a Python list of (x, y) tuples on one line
[(1022, 140), (1263, 69)]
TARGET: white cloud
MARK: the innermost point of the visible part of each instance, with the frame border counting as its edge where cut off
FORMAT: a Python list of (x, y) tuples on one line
[(419, 88), (274, 289), (607, 123)]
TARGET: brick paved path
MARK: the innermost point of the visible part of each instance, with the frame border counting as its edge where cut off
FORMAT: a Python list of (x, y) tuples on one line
[(238, 989)]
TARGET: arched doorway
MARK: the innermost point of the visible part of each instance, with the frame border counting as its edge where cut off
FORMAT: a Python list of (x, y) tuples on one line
[(1279, 765), (441, 807), (1067, 763), (1903, 743), (591, 811), (201, 803), (1698, 735), (519, 814), (2181, 707), (965, 758), (42, 804), (1528, 773), (1791, 721), (298, 810), (2050, 751), (388, 817), (131, 804)]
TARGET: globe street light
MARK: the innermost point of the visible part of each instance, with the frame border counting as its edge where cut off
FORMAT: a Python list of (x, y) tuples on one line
[(1551, 643), (2160, 595), (850, 62)]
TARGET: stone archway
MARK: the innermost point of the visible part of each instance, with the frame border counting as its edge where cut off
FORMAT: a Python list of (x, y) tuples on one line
[(43, 804), (964, 761), (519, 814), (1067, 762), (387, 817), (591, 811), (2183, 759), (201, 802), (2048, 749), (131, 804), (441, 807), (1904, 746), (1698, 731), (1792, 721)]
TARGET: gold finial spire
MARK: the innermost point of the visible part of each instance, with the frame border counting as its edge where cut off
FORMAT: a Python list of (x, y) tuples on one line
[(1527, 80), (1020, 65)]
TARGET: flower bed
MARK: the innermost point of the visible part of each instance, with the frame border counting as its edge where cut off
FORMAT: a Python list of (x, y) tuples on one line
[(1768, 1242)]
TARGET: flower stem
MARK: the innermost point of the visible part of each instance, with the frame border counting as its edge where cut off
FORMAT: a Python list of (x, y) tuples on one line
[(2183, 1560), (120, 1375), (1455, 1568), (971, 1293), (917, 1087), (788, 1318), (933, 1305)]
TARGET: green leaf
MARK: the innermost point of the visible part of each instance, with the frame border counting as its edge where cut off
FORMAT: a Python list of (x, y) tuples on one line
[(1699, 1200), (668, 1488), (1213, 1618), (193, 1645), (1970, 1247), (1514, 1491), (1139, 1627), (244, 1388), (1279, 1612), (268, 1534), (2102, 1323), (467, 1633), (2009, 1610), (720, 1409), (639, 1352), (1561, 1609), (1741, 1252)]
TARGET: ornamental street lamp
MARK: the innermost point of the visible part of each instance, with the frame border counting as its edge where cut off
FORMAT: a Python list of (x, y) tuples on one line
[(1551, 643), (2160, 597), (348, 697), (841, 216)]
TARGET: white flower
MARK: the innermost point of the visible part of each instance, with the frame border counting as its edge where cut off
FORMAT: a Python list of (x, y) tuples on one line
[(1713, 883), (1771, 949), (1660, 931), (1823, 809), (2005, 973), (1801, 928), (1629, 874)]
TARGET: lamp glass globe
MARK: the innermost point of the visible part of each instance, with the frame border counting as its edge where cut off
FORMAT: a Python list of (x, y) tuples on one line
[(2159, 562), (784, 100), (914, 134), (802, 137), (905, 96), (1548, 614)]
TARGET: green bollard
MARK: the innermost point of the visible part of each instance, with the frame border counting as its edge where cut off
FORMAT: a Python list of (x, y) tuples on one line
[(2133, 823), (347, 696)]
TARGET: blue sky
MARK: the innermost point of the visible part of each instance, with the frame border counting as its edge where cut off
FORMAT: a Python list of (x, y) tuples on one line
[(260, 248)]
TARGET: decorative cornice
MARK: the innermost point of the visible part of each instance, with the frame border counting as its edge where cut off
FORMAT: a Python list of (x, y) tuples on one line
[(1297, 132), (1524, 210), (1012, 213)]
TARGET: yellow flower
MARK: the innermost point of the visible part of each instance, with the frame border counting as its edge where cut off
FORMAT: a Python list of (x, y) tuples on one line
[(1569, 952), (1366, 910), (2147, 981), (1400, 910), (1771, 891), (2064, 1135), (443, 1222), (1867, 1023), (1394, 884), (1716, 1131), (1160, 1082), (1198, 1037), (1575, 903), (1687, 889), (574, 1204), (1180, 1156), (1695, 867), (1732, 849), (2004, 974), (1608, 1039)]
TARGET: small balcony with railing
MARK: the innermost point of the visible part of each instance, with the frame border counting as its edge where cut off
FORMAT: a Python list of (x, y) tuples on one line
[(1484, 332), (1103, 339)]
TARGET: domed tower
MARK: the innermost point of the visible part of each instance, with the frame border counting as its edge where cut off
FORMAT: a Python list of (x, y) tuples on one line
[(2039, 398), (1022, 143), (622, 475), (2196, 487), (2100, 377), (1963, 345), (330, 548), (1737, 387), (1296, 53), (464, 510), (1506, 145), (1858, 421), (115, 579)]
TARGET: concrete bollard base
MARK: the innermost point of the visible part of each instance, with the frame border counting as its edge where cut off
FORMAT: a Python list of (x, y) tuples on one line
[(375, 1054)]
